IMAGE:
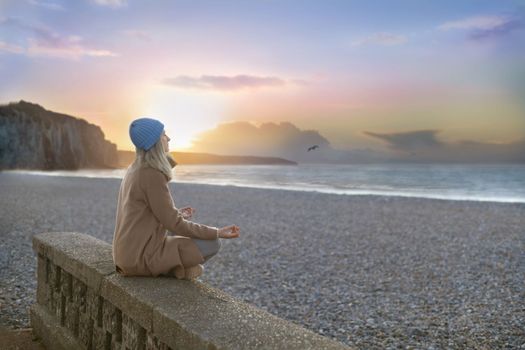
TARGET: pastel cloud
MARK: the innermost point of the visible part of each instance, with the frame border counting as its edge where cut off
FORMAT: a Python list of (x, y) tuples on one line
[(481, 27), (268, 139), (111, 3), (478, 22), (382, 38), (47, 5), (11, 48), (44, 41), (67, 47), (138, 34), (288, 141), (424, 146), (411, 140), (225, 83)]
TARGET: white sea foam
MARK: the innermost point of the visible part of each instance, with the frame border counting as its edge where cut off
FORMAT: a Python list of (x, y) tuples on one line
[(489, 182)]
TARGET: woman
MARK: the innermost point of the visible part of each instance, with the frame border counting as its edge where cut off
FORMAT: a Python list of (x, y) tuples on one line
[(146, 211)]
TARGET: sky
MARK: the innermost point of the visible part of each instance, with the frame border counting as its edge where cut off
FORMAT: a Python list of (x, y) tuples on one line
[(357, 75)]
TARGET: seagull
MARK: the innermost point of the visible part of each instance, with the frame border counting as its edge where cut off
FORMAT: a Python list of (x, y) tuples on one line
[(312, 148)]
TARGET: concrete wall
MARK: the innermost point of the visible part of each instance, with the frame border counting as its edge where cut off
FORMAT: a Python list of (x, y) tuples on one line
[(82, 303)]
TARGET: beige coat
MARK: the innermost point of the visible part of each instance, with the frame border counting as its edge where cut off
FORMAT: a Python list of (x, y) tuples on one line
[(145, 212)]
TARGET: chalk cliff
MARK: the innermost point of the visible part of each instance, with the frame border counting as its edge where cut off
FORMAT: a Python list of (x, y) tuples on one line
[(32, 137)]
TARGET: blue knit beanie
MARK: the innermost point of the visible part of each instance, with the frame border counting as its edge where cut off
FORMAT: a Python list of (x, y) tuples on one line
[(145, 132)]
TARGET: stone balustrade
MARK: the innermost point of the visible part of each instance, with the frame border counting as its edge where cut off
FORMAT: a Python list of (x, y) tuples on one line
[(82, 303)]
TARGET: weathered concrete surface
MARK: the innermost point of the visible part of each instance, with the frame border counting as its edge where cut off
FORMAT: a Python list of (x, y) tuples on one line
[(87, 258), (81, 299), (52, 335), (20, 339)]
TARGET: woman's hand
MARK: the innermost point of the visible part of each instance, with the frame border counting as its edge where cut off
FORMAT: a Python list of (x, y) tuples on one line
[(231, 231), (187, 212)]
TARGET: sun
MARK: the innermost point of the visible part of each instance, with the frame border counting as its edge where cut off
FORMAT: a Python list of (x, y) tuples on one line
[(184, 115)]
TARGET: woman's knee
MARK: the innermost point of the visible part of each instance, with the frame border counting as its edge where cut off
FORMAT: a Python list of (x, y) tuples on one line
[(189, 253), (215, 245), (208, 248), (211, 247)]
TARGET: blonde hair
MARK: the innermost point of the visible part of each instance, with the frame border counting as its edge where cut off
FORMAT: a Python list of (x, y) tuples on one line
[(154, 158)]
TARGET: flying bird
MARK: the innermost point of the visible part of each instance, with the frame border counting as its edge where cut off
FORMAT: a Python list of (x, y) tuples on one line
[(312, 148)]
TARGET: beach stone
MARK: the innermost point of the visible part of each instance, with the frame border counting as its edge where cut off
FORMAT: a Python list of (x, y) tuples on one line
[(447, 274)]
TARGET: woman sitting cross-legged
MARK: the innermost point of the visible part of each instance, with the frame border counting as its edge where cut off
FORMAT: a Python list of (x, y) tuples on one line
[(146, 214)]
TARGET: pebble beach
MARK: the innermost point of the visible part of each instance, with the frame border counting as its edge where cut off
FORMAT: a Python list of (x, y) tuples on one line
[(373, 272)]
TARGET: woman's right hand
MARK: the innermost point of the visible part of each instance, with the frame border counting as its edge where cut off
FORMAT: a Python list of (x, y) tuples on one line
[(187, 212), (231, 231)]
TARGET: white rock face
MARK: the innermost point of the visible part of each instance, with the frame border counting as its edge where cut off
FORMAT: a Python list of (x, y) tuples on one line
[(34, 138)]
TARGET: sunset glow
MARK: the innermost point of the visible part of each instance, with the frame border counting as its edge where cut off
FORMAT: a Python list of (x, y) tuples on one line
[(183, 114), (343, 69)]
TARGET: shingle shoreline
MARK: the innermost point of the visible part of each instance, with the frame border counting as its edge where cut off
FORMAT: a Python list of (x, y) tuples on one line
[(370, 271)]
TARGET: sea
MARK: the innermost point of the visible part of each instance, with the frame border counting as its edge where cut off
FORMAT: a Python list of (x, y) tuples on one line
[(477, 182)]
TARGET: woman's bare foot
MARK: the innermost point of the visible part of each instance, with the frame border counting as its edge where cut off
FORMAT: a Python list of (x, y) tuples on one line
[(179, 272), (193, 272)]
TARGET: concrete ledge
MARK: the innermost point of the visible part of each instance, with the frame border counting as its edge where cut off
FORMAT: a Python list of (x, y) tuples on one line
[(52, 335), (79, 291), (19, 339), (87, 258)]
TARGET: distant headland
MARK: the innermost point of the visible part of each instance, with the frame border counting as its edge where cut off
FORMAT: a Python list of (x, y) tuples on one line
[(32, 137)]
